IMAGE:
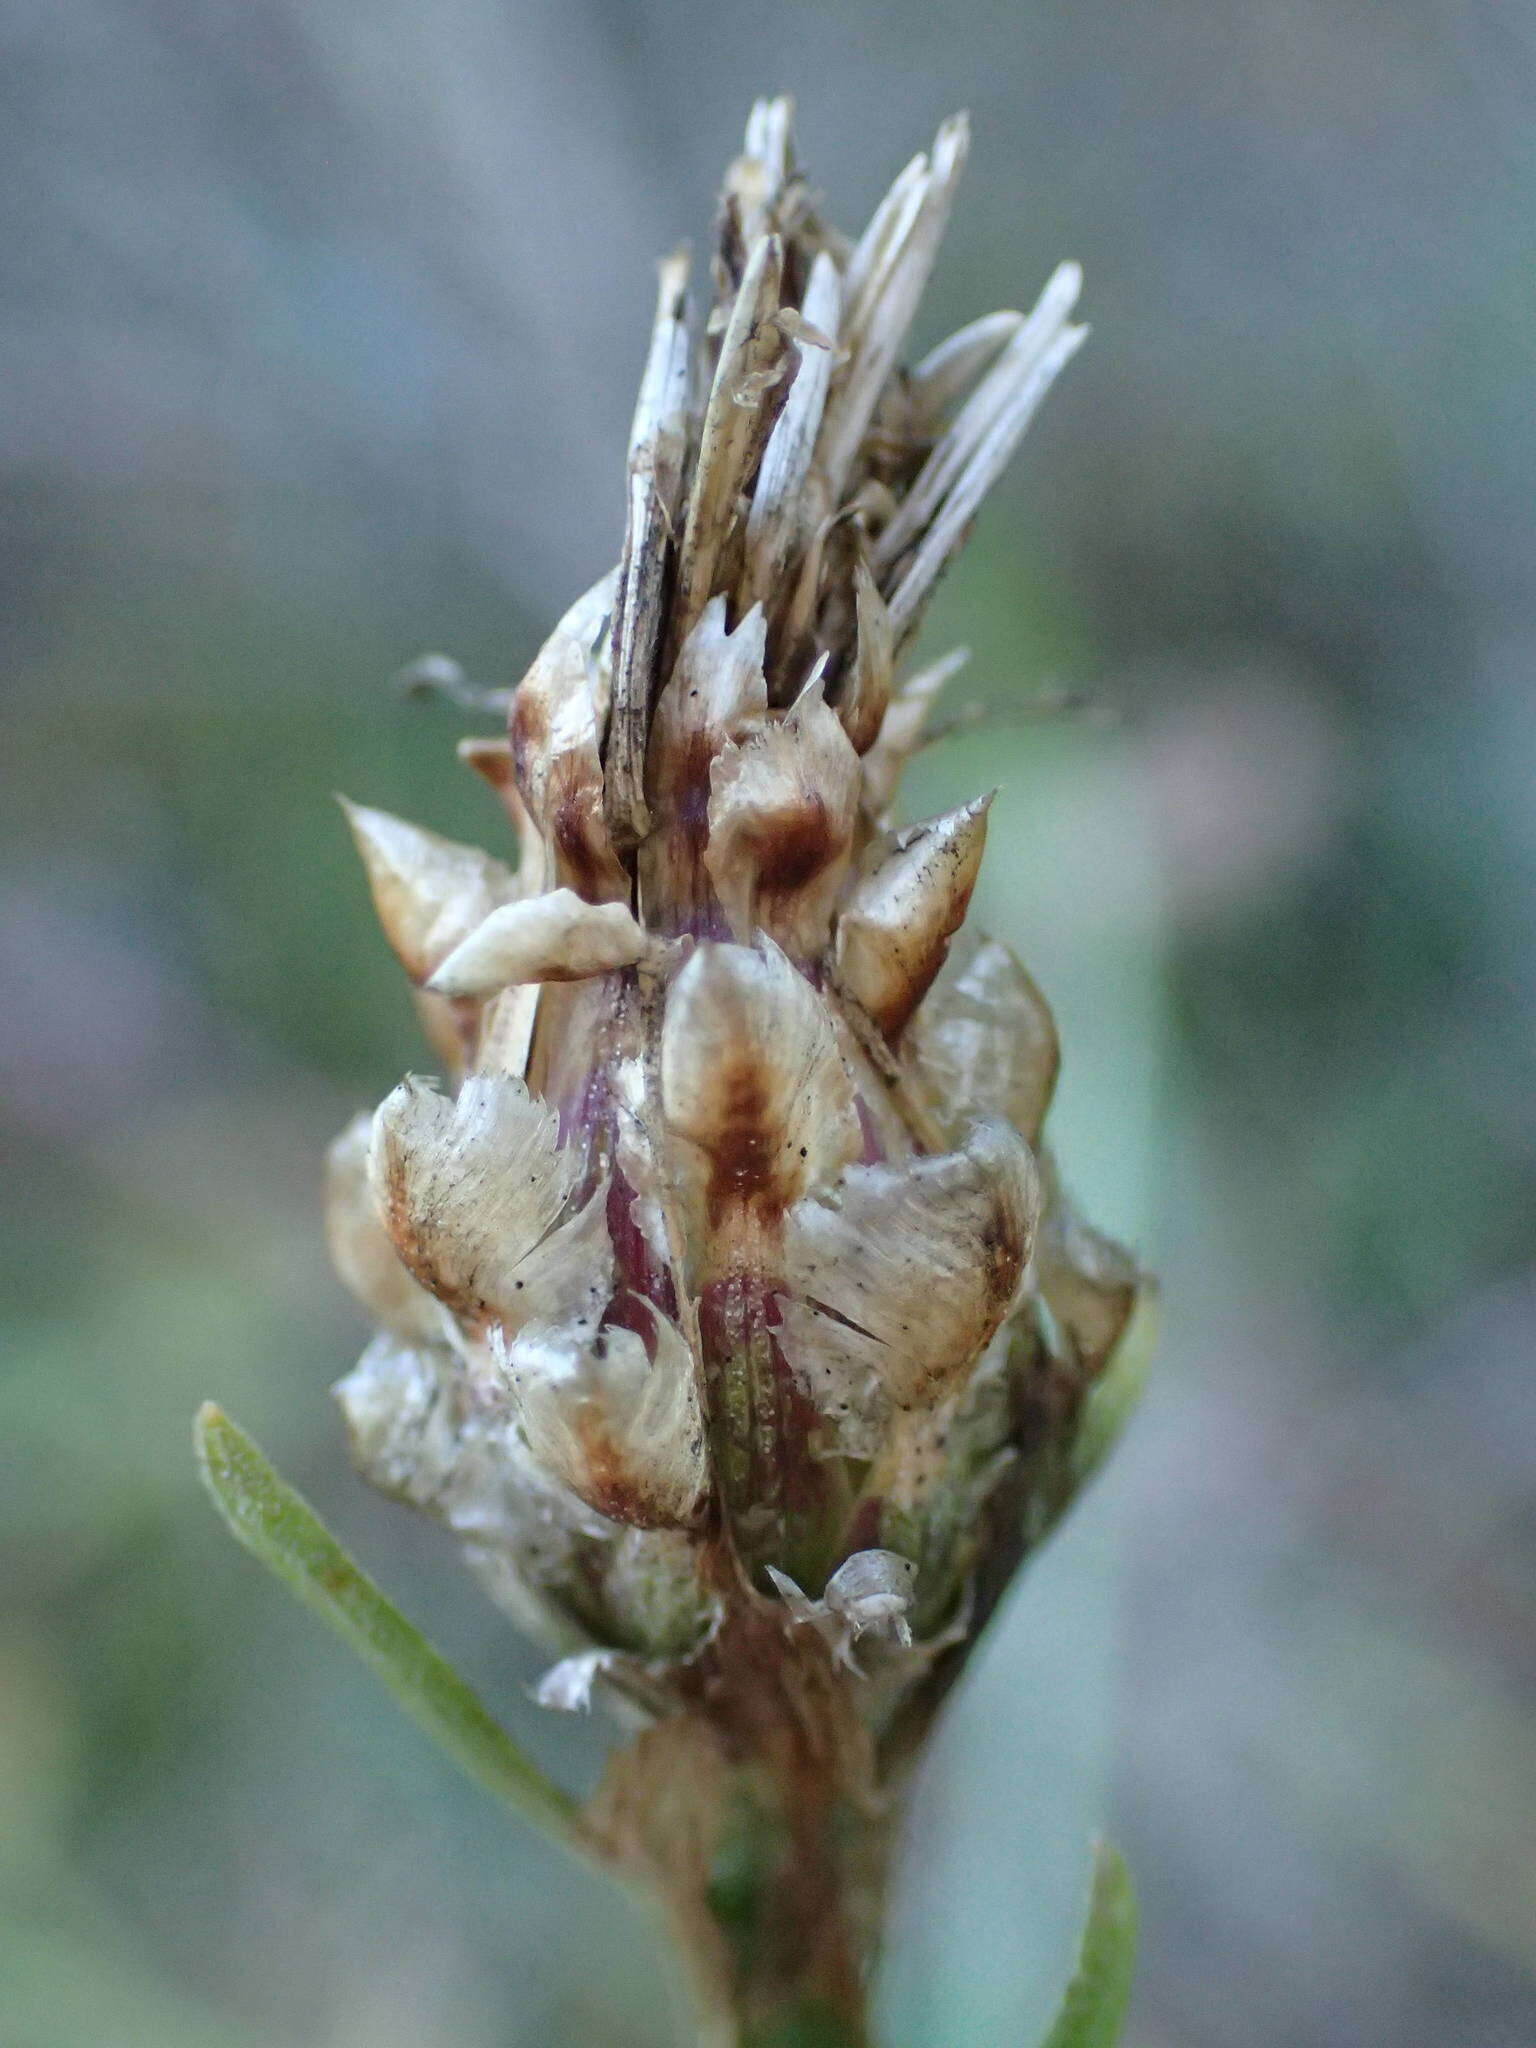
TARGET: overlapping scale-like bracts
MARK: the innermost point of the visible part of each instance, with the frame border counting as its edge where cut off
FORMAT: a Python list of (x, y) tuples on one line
[(722, 1265)]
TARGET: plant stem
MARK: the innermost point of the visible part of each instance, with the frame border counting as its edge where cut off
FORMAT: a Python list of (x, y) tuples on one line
[(755, 1816)]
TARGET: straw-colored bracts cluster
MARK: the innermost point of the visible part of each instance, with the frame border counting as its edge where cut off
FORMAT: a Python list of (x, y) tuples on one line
[(722, 1273)]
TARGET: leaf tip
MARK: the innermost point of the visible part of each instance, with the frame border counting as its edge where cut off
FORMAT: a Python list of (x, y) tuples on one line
[(1093, 2010), (207, 1423)]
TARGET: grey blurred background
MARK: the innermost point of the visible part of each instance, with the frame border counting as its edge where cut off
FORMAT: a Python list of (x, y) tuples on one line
[(318, 342)]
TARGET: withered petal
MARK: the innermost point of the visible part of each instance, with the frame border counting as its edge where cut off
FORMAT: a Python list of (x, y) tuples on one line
[(361, 1248), (894, 930), (557, 726), (983, 1042), (910, 1269), (885, 279), (429, 892), (750, 1074), (554, 937), (621, 1428), (783, 511), (782, 810), (472, 1191)]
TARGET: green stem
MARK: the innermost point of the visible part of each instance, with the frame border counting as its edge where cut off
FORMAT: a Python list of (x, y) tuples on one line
[(796, 1897)]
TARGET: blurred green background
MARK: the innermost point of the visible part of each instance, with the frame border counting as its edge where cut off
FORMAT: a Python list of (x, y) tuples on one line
[(319, 338)]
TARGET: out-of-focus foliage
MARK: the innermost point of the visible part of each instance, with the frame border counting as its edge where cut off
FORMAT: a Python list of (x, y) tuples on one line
[(1094, 2006), (321, 333)]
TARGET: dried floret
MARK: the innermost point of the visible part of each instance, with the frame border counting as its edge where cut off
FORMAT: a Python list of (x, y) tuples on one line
[(731, 1316)]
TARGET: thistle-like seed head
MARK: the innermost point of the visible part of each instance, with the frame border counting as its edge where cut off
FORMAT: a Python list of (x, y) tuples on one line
[(724, 1269)]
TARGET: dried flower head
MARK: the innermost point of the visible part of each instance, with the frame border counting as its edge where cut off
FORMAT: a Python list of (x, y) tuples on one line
[(730, 1315)]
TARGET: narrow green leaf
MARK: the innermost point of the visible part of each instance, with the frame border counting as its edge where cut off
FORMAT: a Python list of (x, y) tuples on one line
[(1094, 2006), (278, 1526)]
